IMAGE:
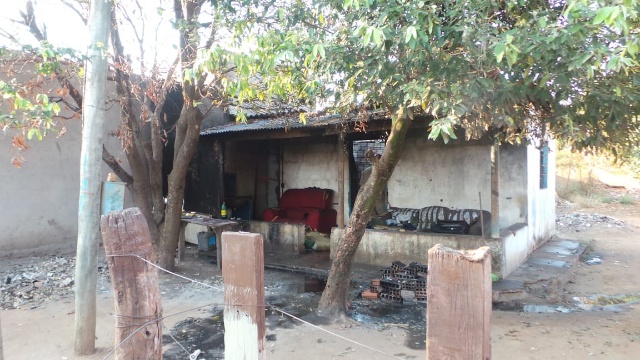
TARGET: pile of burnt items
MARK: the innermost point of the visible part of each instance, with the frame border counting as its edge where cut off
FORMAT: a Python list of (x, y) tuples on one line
[(400, 283)]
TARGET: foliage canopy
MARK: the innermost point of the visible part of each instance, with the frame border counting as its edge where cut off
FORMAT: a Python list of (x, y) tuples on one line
[(523, 67)]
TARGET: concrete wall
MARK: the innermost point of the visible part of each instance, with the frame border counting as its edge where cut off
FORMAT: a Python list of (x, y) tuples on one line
[(453, 175), (513, 185), (382, 247), (542, 202), (517, 247), (40, 199), (445, 175), (312, 164), (280, 237), (427, 174)]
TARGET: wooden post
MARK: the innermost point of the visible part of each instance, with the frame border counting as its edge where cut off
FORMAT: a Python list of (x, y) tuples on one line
[(134, 283), (243, 274), (459, 298), (495, 191), (341, 164)]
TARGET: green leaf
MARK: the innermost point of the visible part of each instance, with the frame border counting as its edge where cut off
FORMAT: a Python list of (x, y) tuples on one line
[(603, 14), (34, 131), (378, 36), (411, 33), (498, 51), (42, 98), (321, 51), (542, 21), (367, 36)]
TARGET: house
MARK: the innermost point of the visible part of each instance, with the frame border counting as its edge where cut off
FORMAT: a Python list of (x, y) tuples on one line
[(249, 165)]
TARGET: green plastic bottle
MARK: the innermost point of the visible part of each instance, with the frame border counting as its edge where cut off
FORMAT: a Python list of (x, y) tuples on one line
[(223, 211)]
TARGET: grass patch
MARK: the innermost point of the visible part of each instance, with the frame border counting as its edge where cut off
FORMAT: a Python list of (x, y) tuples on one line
[(609, 200), (582, 193), (626, 199)]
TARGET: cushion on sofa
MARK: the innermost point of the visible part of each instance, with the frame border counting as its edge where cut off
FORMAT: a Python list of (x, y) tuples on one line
[(306, 198)]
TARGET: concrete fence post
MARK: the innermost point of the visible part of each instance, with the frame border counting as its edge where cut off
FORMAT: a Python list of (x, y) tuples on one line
[(244, 312)]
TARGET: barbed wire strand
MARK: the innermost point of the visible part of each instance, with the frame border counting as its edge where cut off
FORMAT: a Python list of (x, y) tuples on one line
[(223, 304), (167, 271)]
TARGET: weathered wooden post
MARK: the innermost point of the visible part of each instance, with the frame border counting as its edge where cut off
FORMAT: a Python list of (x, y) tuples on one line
[(459, 304), (134, 283), (243, 274)]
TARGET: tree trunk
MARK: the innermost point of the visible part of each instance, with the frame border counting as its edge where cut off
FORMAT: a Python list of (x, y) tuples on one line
[(188, 141), (143, 154), (335, 296), (187, 135), (86, 272)]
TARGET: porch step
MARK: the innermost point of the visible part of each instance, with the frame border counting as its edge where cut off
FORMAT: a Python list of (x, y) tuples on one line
[(542, 277)]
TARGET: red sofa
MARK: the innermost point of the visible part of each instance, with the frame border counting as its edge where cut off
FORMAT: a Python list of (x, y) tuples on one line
[(310, 206)]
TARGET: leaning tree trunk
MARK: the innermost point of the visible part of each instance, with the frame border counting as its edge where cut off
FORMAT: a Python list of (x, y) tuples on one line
[(334, 298)]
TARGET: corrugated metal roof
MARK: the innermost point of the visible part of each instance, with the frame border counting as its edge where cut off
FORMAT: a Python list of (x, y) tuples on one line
[(262, 109), (286, 122)]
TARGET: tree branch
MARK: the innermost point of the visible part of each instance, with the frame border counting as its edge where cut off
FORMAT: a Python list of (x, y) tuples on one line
[(114, 165), (29, 19), (82, 16)]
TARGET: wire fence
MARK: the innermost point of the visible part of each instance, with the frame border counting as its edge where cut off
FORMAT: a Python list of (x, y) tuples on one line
[(193, 355)]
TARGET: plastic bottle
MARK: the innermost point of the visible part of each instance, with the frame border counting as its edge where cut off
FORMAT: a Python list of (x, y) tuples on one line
[(223, 211)]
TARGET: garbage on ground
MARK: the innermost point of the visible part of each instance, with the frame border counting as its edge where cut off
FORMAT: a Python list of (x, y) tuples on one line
[(400, 283), (579, 221), (315, 241), (606, 302), (593, 261), (31, 283)]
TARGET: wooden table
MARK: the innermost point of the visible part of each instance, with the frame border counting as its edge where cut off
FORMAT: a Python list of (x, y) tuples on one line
[(215, 225)]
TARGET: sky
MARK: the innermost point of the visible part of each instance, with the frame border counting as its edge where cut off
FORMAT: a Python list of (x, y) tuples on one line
[(65, 28)]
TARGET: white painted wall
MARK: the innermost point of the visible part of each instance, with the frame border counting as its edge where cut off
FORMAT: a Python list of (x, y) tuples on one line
[(40, 199), (517, 247), (445, 175), (311, 164), (542, 202), (513, 185)]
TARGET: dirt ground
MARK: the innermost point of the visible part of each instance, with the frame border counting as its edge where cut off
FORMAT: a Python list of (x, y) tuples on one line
[(46, 332)]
